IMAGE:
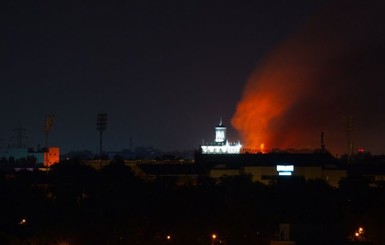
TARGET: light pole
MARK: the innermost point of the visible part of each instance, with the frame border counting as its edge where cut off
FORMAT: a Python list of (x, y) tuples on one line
[(213, 238), (48, 124), (101, 125)]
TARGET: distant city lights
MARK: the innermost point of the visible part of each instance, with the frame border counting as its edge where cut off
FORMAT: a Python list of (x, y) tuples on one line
[(23, 221)]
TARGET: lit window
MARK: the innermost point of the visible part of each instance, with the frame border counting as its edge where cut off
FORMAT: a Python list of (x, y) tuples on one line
[(284, 173), (285, 170)]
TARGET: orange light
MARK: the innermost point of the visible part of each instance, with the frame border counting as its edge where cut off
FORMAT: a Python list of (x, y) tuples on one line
[(214, 236), (262, 148), (52, 156), (275, 96), (361, 230), (23, 222), (168, 237)]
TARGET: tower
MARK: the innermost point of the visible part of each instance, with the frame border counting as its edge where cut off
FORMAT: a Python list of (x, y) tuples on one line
[(221, 145), (20, 135), (220, 133)]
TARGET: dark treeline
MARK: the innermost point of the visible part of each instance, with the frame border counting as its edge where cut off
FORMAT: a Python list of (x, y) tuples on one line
[(76, 204)]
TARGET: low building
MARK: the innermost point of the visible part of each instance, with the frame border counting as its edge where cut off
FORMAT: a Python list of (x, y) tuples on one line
[(373, 172), (181, 173), (266, 168), (51, 156), (45, 156)]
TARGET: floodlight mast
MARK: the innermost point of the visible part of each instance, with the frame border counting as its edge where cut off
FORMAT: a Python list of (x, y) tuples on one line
[(101, 125), (48, 124)]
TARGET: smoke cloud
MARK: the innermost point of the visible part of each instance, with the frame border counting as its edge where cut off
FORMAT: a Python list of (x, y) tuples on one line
[(333, 67)]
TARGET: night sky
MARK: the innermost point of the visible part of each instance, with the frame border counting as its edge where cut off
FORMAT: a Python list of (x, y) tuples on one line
[(164, 71)]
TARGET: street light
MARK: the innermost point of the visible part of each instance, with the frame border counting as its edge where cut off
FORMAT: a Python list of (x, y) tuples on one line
[(359, 235), (213, 238), (361, 230), (23, 221)]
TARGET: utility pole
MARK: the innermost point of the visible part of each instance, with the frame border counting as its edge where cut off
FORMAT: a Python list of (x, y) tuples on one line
[(349, 130), (323, 148), (20, 135)]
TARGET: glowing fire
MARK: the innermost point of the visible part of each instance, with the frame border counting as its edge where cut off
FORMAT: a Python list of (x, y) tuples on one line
[(269, 93), (262, 148), (306, 84)]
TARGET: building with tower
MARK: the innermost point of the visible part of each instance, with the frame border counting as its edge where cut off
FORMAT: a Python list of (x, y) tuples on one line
[(221, 145)]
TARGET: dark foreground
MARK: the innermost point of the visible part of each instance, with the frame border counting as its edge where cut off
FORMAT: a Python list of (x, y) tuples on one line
[(75, 204)]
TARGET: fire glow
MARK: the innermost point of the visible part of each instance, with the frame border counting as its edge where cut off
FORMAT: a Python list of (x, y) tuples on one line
[(310, 81), (269, 94)]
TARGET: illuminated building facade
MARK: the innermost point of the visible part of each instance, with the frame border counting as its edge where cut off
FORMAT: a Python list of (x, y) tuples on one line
[(51, 156), (221, 145), (44, 156)]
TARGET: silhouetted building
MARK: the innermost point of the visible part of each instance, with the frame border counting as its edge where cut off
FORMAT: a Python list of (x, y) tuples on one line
[(265, 168)]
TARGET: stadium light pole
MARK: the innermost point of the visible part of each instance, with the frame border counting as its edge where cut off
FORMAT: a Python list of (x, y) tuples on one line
[(48, 124), (101, 125)]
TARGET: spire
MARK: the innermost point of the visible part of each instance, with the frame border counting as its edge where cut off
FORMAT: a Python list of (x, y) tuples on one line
[(220, 123)]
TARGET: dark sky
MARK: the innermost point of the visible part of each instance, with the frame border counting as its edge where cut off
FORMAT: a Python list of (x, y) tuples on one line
[(164, 71)]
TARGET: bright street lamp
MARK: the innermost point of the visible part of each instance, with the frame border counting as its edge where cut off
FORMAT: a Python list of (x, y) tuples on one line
[(213, 238)]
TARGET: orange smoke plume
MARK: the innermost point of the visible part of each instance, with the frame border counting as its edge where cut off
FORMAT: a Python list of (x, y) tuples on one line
[(276, 87), (305, 84), (262, 103)]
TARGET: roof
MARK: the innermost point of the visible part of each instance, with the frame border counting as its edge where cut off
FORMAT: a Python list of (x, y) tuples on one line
[(269, 159), (172, 169)]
